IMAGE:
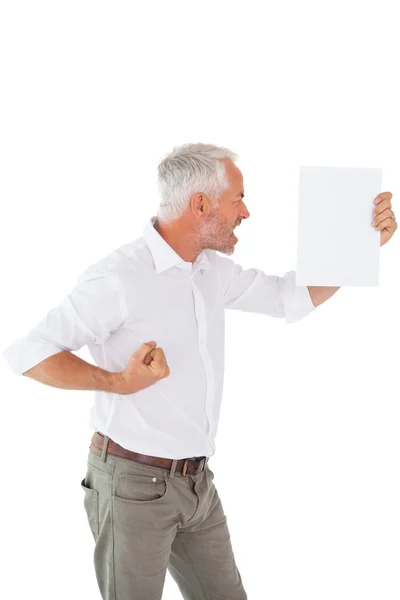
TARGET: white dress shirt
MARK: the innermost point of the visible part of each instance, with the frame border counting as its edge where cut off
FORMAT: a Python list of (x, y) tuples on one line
[(145, 291)]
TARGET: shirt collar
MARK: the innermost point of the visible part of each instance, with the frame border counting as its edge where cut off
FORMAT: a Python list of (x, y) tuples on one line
[(164, 255)]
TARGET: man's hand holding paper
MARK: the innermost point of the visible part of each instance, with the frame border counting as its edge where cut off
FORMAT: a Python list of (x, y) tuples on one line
[(384, 219)]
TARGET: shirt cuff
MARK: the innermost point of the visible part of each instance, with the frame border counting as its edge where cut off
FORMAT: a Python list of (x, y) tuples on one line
[(26, 353), (296, 299)]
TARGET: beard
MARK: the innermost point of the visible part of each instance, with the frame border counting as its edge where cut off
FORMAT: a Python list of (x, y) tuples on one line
[(216, 234)]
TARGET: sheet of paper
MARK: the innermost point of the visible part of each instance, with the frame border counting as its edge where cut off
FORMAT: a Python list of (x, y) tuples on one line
[(337, 245)]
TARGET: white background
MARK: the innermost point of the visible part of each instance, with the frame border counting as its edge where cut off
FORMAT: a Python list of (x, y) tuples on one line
[(93, 94)]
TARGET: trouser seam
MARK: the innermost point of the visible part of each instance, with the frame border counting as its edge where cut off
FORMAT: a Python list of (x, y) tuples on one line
[(112, 531), (190, 561)]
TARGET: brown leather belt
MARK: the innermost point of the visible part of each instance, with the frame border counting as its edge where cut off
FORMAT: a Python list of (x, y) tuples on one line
[(186, 466)]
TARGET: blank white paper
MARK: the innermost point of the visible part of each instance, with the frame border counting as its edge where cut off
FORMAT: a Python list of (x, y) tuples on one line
[(337, 245)]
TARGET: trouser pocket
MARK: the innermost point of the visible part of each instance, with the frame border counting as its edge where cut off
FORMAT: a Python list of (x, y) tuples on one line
[(91, 505)]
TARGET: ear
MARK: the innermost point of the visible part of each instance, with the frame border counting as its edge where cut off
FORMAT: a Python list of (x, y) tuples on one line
[(200, 205)]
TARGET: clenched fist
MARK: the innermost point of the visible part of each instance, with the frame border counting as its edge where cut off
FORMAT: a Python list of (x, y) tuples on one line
[(145, 367)]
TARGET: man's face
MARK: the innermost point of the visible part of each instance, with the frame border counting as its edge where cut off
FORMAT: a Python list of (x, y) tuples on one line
[(216, 232)]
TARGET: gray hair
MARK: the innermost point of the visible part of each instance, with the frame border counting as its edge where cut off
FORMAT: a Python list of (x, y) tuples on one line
[(189, 169)]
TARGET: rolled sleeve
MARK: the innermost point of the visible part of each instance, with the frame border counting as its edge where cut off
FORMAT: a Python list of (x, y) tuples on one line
[(87, 315), (296, 299), (252, 290)]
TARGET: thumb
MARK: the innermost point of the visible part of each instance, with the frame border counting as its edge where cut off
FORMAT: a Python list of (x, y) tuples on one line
[(144, 350)]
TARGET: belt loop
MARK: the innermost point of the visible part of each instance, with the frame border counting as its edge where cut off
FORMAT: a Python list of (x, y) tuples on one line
[(173, 467), (104, 450)]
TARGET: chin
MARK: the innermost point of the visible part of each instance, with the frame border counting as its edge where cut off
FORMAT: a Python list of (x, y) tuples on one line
[(227, 251)]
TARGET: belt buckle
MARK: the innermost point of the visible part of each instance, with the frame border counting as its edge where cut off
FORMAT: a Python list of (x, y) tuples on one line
[(200, 467)]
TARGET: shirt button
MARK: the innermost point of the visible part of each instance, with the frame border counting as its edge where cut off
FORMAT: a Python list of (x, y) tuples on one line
[(154, 479)]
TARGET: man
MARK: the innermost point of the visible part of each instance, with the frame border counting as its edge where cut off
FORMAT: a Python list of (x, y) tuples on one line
[(148, 491)]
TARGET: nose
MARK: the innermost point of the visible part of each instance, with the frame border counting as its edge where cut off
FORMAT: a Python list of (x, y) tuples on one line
[(245, 214)]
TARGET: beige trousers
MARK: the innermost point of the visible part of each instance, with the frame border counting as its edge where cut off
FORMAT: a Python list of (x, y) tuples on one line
[(146, 520)]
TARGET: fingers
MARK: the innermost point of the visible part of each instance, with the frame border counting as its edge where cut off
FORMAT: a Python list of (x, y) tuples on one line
[(381, 207), (148, 353), (144, 349), (386, 214), (158, 356), (389, 223), (148, 358), (383, 196), (160, 362)]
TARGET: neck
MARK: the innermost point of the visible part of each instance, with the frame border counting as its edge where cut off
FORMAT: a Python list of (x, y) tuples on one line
[(179, 237)]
